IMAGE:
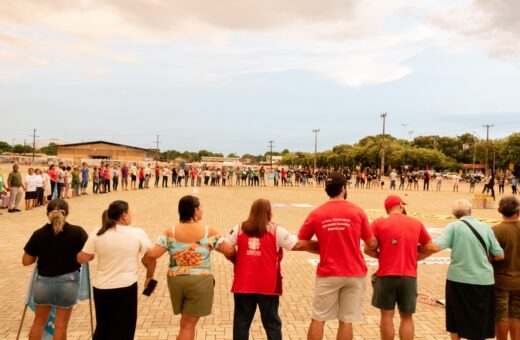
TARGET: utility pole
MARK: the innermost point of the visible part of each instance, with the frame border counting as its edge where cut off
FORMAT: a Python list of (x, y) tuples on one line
[(34, 144), (404, 125), (157, 141), (487, 126), (315, 131), (270, 146), (410, 133), (383, 116)]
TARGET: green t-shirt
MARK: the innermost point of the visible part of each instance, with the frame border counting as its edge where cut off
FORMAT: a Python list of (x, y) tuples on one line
[(15, 180), (469, 263), (1, 183)]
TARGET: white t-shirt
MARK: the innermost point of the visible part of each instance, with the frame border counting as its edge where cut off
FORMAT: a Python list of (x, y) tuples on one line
[(284, 239), (30, 181), (118, 251), (39, 181)]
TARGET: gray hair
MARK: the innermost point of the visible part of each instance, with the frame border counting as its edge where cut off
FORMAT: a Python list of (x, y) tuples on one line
[(461, 207)]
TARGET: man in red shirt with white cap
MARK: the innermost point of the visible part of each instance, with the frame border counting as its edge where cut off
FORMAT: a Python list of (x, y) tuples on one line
[(398, 237)]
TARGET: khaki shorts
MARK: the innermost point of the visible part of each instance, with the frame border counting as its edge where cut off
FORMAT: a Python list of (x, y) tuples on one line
[(338, 298), (191, 294), (507, 304)]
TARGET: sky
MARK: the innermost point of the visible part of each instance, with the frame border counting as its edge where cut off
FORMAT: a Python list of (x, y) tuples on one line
[(232, 75)]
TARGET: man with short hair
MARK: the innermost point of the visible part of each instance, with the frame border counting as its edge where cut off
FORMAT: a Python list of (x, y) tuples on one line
[(84, 178), (507, 272), (340, 284), (15, 186), (395, 281)]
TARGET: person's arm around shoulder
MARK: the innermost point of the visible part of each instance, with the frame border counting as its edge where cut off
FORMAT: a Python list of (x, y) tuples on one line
[(424, 239), (306, 231), (495, 250), (89, 249), (367, 234), (288, 241), (220, 244)]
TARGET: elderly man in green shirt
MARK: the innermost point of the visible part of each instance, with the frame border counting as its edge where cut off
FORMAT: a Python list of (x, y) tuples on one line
[(15, 186), (470, 311)]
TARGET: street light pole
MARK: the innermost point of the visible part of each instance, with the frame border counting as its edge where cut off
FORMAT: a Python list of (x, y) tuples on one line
[(383, 116), (487, 126), (315, 131), (404, 132)]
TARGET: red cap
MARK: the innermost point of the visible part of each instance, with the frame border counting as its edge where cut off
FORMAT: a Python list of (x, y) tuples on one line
[(392, 200)]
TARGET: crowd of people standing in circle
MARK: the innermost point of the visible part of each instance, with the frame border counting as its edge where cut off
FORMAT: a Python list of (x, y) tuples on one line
[(39, 186), (482, 295)]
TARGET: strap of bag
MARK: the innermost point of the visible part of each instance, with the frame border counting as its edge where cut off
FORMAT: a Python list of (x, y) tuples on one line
[(477, 235)]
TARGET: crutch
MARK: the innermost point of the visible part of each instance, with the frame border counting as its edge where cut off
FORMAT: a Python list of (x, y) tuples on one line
[(21, 322)]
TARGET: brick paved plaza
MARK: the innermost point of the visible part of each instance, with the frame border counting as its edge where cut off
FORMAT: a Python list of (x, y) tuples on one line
[(155, 209)]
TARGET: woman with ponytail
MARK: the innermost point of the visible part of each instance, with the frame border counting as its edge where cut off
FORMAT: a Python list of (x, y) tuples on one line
[(118, 247), (54, 248)]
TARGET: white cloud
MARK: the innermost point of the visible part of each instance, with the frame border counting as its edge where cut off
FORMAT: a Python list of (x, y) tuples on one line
[(352, 42), (491, 25)]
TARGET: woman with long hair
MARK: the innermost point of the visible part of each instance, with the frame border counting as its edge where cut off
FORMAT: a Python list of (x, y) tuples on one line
[(54, 248), (190, 280), (258, 280), (117, 246)]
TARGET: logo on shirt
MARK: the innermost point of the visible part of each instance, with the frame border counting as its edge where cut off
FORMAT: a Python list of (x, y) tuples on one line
[(254, 244)]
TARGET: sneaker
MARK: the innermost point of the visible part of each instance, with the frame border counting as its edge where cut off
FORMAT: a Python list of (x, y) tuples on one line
[(16, 210), (10, 210)]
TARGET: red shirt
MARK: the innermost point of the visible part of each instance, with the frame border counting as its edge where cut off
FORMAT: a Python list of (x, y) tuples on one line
[(398, 236), (339, 226), (53, 175)]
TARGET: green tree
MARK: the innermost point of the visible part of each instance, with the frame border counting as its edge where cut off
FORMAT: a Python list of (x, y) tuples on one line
[(5, 147), (51, 149)]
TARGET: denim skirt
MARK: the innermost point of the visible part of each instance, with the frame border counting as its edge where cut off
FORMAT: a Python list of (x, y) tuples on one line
[(60, 291)]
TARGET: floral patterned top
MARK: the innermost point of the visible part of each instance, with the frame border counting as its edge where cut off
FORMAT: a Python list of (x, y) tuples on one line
[(189, 258)]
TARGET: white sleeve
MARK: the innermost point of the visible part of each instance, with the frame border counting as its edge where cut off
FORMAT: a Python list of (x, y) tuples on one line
[(90, 246), (285, 239), (232, 236), (145, 242)]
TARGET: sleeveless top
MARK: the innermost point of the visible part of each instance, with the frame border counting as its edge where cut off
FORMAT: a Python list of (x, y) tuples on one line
[(189, 258), (257, 265)]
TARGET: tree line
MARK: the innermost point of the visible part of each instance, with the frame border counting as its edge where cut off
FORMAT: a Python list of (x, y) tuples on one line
[(438, 152)]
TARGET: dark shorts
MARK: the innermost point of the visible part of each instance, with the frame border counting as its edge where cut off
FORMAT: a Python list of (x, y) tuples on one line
[(30, 195), (84, 183), (507, 304), (134, 178), (470, 310), (392, 290)]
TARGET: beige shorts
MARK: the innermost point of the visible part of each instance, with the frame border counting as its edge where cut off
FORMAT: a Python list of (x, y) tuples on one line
[(338, 298)]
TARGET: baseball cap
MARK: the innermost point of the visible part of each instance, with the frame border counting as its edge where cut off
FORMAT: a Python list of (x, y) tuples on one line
[(336, 178), (392, 201)]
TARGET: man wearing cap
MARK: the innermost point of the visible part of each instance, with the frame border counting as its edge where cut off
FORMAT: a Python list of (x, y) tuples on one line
[(395, 281), (340, 284)]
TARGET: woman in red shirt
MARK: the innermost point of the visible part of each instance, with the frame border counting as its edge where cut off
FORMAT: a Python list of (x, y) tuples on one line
[(258, 279), (54, 178), (140, 175)]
